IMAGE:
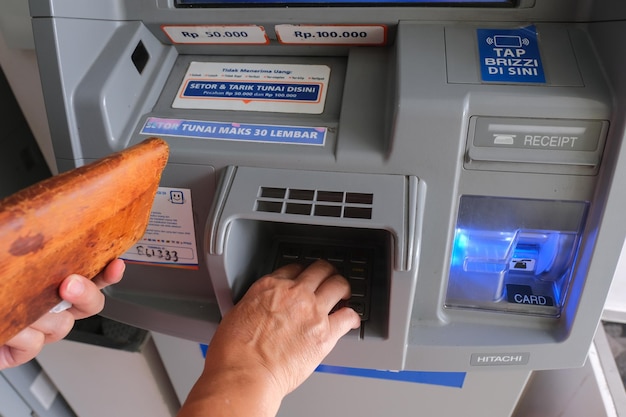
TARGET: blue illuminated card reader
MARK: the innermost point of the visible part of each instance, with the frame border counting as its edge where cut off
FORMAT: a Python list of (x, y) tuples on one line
[(514, 255), (459, 164)]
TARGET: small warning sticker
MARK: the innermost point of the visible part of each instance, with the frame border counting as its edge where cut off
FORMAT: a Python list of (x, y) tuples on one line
[(170, 238), (283, 88), (510, 55)]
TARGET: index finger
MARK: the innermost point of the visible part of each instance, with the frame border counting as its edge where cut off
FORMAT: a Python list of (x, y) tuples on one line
[(332, 290), (289, 271), (313, 276)]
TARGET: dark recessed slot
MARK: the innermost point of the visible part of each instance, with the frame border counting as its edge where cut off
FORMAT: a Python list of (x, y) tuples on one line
[(357, 272), (314, 253), (358, 287), (328, 211), (357, 212), (336, 254), (359, 198), (269, 206), (271, 192), (359, 256), (140, 57), (330, 196), (294, 208), (306, 195), (291, 252)]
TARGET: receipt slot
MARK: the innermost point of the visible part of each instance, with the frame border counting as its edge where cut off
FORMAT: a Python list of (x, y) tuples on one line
[(460, 166)]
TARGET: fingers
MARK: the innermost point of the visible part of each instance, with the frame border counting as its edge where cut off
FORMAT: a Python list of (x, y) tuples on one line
[(313, 276), (84, 295), (25, 345), (86, 299), (290, 271), (332, 290), (21, 348), (322, 279), (112, 274), (54, 326), (342, 321)]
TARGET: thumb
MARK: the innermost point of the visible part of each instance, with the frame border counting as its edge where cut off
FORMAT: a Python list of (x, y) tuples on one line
[(342, 321)]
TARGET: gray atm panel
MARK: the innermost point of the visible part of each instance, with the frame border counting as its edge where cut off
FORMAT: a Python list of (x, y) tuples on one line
[(405, 123)]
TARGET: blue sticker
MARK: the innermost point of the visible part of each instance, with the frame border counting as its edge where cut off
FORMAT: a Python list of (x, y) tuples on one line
[(510, 55), (446, 379), (252, 90), (301, 135)]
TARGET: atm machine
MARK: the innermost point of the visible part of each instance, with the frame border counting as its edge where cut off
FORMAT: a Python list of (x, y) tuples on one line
[(458, 161)]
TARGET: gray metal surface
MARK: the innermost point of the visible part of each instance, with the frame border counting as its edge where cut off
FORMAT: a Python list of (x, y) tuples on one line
[(408, 110), (26, 395)]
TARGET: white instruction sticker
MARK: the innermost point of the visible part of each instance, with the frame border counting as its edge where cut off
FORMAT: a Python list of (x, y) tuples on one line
[(170, 239), (217, 34), (371, 35), (281, 88)]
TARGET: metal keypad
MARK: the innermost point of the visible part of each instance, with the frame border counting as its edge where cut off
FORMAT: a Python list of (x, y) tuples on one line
[(354, 263)]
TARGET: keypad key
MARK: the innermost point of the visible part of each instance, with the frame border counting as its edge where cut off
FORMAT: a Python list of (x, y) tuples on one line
[(358, 288)]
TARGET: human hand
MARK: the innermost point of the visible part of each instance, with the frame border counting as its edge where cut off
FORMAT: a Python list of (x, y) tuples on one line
[(86, 300), (271, 342)]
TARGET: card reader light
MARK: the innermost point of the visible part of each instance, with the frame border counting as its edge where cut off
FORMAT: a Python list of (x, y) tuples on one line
[(525, 271), (514, 255)]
